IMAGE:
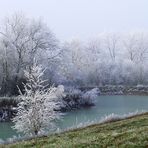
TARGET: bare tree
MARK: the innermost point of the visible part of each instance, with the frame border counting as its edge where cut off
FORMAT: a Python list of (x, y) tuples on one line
[(111, 43), (129, 43), (27, 39)]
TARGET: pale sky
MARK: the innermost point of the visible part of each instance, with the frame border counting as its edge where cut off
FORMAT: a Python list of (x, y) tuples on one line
[(82, 18)]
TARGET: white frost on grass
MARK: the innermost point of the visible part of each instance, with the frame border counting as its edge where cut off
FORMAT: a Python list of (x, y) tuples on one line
[(115, 117), (106, 119)]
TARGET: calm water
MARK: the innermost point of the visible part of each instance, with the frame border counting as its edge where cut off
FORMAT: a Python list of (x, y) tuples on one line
[(105, 105)]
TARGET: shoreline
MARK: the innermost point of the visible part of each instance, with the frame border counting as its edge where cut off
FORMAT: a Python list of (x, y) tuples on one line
[(111, 127), (119, 90), (8, 111)]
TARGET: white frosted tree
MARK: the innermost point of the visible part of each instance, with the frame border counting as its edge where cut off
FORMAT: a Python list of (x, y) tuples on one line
[(39, 105)]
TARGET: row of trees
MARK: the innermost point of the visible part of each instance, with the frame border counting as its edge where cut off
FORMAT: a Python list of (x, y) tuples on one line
[(21, 40), (110, 58), (119, 59)]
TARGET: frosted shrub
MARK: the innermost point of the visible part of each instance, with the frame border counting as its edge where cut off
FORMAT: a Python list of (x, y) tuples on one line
[(38, 108), (72, 98), (74, 94), (89, 97), (75, 98)]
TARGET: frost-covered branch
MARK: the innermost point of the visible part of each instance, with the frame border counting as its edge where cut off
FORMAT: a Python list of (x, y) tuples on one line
[(39, 106)]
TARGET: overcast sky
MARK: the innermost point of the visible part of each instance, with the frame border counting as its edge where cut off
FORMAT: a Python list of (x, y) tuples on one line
[(83, 18)]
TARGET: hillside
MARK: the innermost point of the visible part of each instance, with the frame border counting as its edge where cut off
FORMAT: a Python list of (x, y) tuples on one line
[(132, 132)]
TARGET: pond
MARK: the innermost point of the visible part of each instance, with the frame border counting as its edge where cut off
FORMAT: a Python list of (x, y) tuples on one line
[(105, 105)]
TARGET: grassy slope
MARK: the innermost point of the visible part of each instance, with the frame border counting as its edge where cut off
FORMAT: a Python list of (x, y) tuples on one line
[(132, 132)]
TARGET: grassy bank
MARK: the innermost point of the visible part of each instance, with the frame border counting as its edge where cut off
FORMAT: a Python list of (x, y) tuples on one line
[(131, 132)]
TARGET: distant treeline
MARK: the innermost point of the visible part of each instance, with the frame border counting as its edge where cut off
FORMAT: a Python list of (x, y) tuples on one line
[(108, 59)]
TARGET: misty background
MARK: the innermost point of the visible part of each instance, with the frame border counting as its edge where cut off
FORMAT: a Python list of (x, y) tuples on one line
[(78, 42), (82, 19)]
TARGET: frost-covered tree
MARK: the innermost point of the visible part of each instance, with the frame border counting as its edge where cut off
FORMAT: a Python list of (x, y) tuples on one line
[(39, 105), (25, 39), (73, 61), (111, 44)]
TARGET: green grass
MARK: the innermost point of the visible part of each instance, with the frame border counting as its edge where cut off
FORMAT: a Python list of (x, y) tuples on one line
[(128, 133)]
